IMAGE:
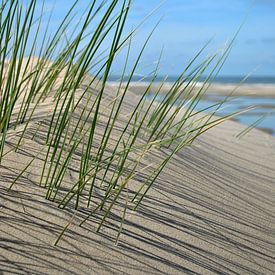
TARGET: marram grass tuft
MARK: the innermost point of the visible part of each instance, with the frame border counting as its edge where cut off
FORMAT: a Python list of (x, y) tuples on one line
[(100, 148)]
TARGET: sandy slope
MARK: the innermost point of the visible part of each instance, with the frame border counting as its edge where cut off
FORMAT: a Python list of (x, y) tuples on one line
[(211, 211)]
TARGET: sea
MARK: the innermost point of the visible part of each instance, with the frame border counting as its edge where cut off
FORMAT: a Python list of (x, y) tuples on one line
[(217, 80), (262, 116)]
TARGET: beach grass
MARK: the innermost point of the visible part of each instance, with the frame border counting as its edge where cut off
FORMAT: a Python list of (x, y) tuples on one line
[(89, 131)]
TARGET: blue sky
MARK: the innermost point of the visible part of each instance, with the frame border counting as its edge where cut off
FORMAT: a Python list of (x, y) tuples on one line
[(186, 25)]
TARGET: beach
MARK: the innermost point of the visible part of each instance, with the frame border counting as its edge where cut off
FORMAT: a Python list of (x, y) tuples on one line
[(136, 140), (238, 89), (211, 211), (257, 93)]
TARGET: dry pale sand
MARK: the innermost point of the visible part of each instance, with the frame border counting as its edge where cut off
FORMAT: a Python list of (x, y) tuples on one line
[(212, 211)]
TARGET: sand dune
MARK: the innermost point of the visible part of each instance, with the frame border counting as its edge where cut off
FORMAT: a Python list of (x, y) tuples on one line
[(212, 211)]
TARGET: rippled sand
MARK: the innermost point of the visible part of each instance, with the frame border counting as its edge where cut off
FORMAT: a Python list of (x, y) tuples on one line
[(212, 211)]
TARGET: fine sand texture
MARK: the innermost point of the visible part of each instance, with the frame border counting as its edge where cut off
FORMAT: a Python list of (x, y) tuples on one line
[(211, 211)]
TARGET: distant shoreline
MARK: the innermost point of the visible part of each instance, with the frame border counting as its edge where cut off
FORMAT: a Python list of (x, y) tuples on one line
[(253, 90), (217, 80), (262, 95)]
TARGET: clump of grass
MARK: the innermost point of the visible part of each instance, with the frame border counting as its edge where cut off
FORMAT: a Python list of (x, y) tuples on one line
[(100, 136)]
